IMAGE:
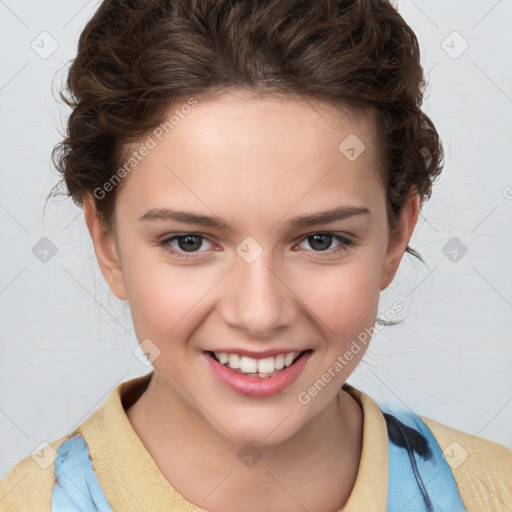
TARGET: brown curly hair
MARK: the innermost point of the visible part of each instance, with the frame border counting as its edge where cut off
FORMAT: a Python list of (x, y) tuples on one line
[(137, 57)]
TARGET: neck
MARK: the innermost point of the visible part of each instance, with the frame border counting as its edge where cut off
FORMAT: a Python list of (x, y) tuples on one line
[(315, 469)]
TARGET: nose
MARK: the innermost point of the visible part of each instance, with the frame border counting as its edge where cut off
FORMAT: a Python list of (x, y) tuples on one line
[(258, 300)]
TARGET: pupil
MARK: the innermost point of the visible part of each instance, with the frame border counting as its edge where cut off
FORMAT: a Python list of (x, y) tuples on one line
[(325, 246), (189, 244)]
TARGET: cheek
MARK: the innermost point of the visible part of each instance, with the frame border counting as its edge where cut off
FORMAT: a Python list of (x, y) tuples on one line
[(344, 298), (164, 298)]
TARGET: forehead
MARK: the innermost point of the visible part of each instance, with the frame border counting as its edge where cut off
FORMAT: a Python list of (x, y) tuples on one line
[(253, 150), (260, 123)]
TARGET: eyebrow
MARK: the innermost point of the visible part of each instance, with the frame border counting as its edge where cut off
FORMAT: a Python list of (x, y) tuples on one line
[(324, 217)]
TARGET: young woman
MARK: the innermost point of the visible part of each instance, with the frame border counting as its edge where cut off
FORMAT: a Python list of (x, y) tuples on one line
[(251, 174)]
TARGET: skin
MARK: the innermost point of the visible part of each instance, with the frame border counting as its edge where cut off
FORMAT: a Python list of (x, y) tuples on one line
[(244, 159)]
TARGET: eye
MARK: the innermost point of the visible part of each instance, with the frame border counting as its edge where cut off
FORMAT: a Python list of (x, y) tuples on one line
[(186, 243), (322, 241)]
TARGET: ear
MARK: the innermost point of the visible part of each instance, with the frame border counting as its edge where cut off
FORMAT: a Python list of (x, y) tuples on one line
[(399, 238), (106, 249)]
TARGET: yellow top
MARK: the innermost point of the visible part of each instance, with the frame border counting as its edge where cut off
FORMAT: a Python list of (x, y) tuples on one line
[(132, 482)]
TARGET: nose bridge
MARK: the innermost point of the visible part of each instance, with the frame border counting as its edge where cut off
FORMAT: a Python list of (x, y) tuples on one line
[(259, 302)]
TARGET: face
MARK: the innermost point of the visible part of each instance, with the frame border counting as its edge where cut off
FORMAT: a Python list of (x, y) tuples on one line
[(254, 273)]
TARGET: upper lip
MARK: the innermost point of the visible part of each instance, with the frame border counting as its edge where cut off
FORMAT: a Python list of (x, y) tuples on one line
[(257, 355)]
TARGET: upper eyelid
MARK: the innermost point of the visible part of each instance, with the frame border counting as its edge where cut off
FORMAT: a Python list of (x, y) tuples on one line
[(302, 237), (173, 236)]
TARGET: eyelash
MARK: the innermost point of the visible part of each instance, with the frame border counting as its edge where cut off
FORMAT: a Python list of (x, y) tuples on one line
[(346, 243)]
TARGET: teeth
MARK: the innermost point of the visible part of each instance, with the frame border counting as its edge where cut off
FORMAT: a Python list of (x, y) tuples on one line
[(233, 361), (222, 357), (265, 367), (279, 362), (247, 364), (289, 359)]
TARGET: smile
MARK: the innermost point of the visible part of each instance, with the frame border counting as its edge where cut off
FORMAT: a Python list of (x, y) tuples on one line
[(257, 377), (265, 367)]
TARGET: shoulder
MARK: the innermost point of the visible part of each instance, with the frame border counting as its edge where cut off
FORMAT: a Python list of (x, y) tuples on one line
[(481, 468), (29, 483)]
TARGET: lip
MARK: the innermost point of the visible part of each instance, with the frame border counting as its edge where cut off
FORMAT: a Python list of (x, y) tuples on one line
[(258, 387), (258, 355)]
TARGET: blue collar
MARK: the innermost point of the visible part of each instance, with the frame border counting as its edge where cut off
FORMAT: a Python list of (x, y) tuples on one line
[(420, 479)]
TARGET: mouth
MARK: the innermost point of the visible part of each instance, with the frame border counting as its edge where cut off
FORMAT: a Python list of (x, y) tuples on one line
[(257, 377)]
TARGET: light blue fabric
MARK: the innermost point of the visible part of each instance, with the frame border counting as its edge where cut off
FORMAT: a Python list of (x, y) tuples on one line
[(77, 488), (404, 488)]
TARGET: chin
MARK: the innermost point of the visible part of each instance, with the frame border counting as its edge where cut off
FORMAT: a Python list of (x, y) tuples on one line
[(258, 431)]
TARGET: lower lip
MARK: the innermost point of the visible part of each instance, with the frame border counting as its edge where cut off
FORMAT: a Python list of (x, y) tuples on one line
[(258, 386)]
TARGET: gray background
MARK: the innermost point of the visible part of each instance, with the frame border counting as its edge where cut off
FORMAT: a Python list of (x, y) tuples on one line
[(67, 342)]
